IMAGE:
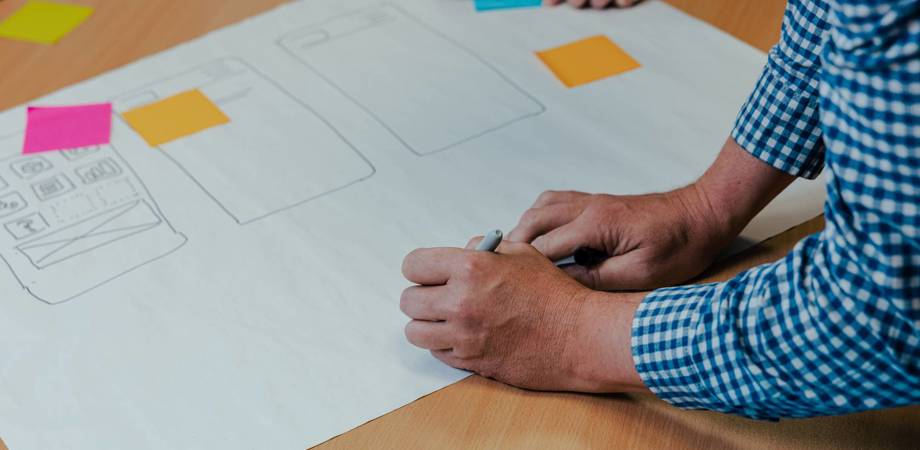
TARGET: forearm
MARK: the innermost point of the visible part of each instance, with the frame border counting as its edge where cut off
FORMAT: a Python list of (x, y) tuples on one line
[(733, 190)]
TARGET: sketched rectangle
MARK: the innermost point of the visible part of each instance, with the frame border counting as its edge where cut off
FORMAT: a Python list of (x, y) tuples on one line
[(53, 248)]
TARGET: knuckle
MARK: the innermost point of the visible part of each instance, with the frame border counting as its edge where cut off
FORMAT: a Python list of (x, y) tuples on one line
[(547, 195), (454, 309), (594, 278), (596, 210), (463, 307), (471, 265), (529, 217), (467, 309)]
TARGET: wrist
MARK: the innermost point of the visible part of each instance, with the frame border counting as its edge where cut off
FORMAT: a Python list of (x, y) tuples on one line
[(602, 352), (708, 219), (734, 189)]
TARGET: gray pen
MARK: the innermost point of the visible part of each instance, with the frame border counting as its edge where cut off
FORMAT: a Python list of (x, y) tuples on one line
[(490, 241)]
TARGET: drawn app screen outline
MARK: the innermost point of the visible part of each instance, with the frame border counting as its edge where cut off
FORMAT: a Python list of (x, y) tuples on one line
[(372, 56), (274, 154), (85, 218)]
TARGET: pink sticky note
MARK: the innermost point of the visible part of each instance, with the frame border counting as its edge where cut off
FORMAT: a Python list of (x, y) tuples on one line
[(66, 127)]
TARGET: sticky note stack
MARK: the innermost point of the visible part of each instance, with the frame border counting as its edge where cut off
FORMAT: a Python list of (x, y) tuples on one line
[(175, 117), (67, 127), (43, 22), (488, 5), (587, 60)]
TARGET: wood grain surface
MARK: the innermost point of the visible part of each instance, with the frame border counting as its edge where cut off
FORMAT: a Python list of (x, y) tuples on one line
[(475, 413)]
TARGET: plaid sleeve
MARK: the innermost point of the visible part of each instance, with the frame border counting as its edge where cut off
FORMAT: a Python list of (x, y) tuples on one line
[(834, 327), (779, 121), (798, 338)]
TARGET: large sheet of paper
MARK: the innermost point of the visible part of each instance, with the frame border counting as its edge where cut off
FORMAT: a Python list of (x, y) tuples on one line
[(238, 288)]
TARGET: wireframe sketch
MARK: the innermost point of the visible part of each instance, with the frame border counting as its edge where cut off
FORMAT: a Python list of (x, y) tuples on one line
[(276, 152), (430, 92), (73, 220)]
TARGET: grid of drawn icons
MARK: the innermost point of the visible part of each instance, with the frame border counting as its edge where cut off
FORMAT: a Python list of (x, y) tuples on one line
[(72, 220)]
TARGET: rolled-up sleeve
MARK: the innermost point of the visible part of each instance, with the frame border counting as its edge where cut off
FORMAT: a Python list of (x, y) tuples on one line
[(779, 122)]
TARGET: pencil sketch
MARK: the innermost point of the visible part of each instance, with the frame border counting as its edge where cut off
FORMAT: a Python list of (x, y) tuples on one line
[(404, 73), (276, 153), (74, 220)]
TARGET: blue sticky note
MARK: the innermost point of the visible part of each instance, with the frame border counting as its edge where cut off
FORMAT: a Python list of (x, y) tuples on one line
[(488, 5)]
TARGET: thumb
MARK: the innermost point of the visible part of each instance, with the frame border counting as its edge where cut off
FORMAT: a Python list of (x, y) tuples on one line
[(624, 272), (563, 241)]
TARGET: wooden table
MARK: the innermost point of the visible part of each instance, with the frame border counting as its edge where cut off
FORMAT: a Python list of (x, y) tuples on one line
[(475, 413)]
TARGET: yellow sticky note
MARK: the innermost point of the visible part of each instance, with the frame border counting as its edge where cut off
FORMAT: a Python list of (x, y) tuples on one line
[(43, 22), (587, 60), (175, 117)]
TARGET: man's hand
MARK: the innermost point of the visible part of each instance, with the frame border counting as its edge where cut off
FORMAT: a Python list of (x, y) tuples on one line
[(655, 240), (658, 239), (515, 317), (599, 4)]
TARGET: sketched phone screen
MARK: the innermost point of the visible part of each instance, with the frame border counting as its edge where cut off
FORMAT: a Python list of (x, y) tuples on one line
[(274, 153), (430, 92), (75, 219)]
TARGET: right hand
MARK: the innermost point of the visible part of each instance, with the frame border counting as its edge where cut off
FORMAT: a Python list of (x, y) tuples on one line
[(654, 240), (598, 4)]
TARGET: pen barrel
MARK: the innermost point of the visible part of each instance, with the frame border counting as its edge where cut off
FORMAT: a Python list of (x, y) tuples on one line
[(490, 241)]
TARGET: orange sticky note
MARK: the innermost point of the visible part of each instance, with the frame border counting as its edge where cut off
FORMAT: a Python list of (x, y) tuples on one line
[(175, 117), (587, 60)]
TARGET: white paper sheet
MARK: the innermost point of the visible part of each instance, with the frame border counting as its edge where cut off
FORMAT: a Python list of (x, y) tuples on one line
[(239, 288)]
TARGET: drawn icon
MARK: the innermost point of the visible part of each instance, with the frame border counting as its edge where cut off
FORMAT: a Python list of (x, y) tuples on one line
[(99, 170), (249, 169), (27, 226), (3, 184), (371, 55), (52, 187), (29, 167), (11, 203), (77, 153)]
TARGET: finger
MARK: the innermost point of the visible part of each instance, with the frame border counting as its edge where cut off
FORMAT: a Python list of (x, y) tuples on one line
[(448, 357), (430, 266), (516, 248), (473, 242), (552, 2), (553, 197), (563, 241), (615, 274), (425, 302), (578, 3), (600, 4), (625, 3), (429, 335), (537, 221)]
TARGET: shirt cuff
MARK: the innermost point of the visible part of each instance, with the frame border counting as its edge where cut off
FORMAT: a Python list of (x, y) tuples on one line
[(780, 124), (663, 350)]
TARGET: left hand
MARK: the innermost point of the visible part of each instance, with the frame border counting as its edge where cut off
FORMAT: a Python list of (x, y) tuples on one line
[(516, 317)]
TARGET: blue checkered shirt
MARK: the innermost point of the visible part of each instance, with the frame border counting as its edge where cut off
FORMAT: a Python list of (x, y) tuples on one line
[(834, 327)]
